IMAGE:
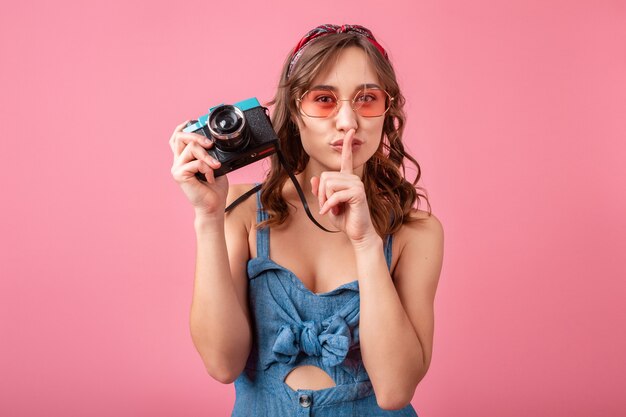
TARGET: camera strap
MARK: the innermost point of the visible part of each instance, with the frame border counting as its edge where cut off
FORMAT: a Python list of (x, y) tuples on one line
[(294, 180)]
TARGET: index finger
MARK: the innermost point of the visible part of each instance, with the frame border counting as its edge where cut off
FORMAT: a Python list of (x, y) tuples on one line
[(346, 152)]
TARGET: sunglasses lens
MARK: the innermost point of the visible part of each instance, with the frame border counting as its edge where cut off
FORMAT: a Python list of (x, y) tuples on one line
[(371, 102), (318, 103)]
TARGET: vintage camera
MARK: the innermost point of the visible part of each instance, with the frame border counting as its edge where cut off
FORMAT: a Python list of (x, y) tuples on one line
[(242, 133)]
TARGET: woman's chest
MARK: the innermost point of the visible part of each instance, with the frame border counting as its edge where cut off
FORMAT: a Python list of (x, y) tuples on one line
[(320, 265), (321, 262)]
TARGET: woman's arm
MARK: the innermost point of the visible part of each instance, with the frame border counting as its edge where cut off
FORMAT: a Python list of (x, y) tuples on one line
[(396, 323), (396, 318), (220, 324), (220, 318)]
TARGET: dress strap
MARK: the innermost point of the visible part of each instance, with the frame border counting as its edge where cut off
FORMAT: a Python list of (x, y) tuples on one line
[(262, 235), (388, 250)]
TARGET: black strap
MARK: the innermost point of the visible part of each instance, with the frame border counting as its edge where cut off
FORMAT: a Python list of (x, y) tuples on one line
[(243, 197), (281, 158), (294, 180)]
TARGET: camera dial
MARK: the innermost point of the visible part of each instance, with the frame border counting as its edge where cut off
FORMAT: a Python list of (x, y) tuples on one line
[(227, 126)]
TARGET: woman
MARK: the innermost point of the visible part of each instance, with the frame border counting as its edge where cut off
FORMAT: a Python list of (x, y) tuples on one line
[(285, 317)]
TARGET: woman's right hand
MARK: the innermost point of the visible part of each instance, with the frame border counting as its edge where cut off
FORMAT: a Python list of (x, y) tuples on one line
[(191, 157)]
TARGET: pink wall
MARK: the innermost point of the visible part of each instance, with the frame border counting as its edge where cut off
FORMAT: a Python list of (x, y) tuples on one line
[(516, 114)]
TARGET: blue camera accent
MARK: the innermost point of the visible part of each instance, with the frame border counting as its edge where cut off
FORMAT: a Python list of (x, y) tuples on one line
[(242, 105), (198, 125), (248, 104)]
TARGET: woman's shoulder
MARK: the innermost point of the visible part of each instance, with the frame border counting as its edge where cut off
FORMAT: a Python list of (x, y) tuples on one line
[(236, 190), (245, 211), (418, 247), (423, 229)]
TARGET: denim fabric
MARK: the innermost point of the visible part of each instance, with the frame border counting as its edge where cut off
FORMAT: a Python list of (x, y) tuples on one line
[(293, 327)]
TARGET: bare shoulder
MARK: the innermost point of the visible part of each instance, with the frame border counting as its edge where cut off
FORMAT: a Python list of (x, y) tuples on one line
[(236, 190), (245, 212), (423, 228), (419, 247)]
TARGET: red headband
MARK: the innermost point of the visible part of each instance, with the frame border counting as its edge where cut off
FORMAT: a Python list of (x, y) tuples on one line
[(323, 30)]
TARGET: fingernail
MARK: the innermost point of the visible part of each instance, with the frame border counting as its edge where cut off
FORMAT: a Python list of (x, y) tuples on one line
[(207, 140)]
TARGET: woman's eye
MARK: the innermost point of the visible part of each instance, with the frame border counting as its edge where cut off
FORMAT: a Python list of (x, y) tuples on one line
[(366, 98), (325, 99)]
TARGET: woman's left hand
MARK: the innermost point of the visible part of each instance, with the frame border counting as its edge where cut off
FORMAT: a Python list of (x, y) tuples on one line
[(342, 197)]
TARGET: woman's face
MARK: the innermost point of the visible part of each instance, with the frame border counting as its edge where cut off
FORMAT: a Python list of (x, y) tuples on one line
[(321, 137)]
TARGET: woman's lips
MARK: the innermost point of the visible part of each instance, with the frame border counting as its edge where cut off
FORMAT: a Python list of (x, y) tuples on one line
[(338, 145)]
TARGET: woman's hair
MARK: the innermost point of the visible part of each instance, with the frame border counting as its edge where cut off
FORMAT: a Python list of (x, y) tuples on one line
[(390, 196)]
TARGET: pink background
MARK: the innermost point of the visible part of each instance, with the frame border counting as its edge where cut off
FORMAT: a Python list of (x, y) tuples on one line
[(516, 114)]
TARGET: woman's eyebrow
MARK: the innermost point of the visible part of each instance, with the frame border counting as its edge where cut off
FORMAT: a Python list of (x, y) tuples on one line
[(334, 89), (323, 87)]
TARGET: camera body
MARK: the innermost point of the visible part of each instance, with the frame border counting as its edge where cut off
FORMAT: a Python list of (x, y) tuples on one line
[(242, 133)]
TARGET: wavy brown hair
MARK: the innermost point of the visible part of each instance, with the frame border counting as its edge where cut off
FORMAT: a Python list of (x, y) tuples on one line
[(390, 196)]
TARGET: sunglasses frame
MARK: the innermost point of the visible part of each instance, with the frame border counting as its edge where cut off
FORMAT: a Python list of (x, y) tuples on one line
[(299, 100)]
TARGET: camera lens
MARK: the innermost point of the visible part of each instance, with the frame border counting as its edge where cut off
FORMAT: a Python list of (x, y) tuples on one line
[(228, 126), (226, 121)]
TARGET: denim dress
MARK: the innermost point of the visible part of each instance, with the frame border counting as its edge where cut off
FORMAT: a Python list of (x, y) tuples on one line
[(293, 327)]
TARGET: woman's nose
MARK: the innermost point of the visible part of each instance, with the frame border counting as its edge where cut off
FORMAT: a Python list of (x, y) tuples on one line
[(346, 117)]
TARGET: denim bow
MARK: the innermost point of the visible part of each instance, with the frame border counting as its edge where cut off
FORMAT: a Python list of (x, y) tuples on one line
[(330, 340)]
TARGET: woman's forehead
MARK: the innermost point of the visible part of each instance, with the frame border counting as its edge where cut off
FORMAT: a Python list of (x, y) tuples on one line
[(350, 70)]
